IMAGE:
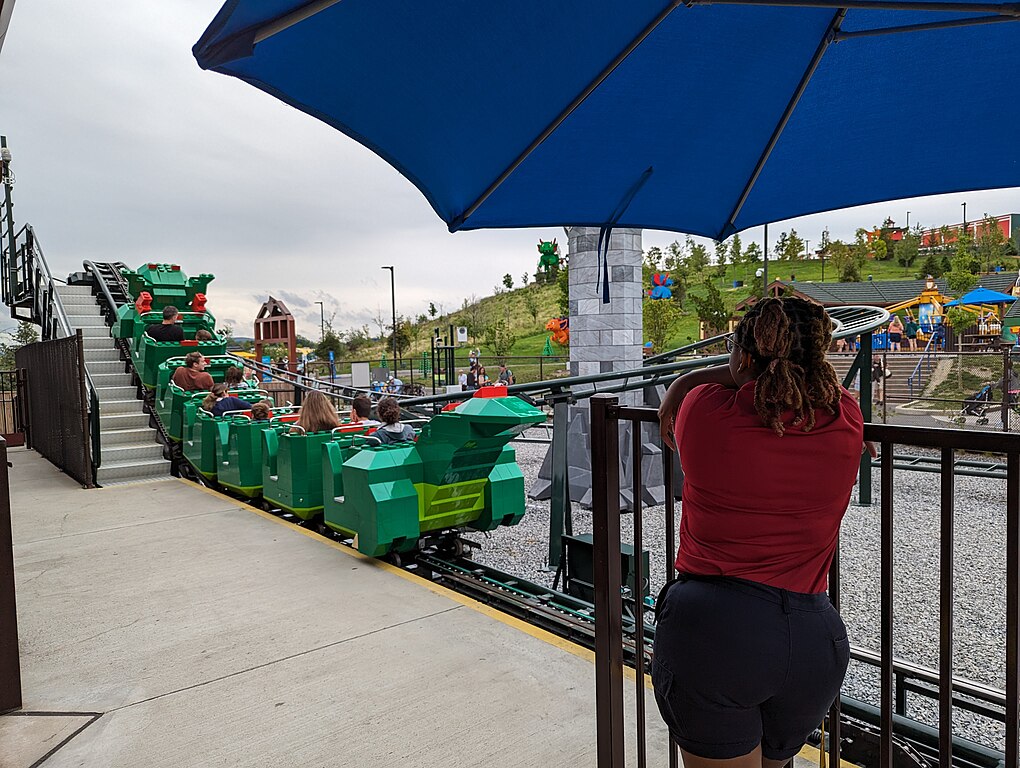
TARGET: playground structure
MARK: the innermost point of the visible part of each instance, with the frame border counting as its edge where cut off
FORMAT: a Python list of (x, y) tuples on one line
[(274, 324)]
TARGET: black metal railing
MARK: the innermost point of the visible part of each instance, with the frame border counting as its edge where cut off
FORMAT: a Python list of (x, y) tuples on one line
[(12, 404), (896, 677), (58, 404), (10, 665)]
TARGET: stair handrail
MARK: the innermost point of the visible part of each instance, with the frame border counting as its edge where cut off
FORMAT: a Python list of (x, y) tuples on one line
[(47, 311), (926, 357), (107, 295)]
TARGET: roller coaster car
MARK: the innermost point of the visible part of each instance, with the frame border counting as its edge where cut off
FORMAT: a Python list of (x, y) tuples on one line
[(148, 355), (461, 472), (240, 452), (155, 286), (205, 437), (170, 399), (292, 468)]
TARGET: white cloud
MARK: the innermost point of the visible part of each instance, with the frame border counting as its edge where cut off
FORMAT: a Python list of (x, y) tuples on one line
[(126, 151)]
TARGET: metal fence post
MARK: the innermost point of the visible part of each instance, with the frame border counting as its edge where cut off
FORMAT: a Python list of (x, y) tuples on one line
[(10, 665), (605, 465), (864, 482), (559, 502)]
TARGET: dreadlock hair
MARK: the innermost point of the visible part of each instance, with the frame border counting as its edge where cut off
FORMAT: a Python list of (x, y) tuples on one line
[(787, 339)]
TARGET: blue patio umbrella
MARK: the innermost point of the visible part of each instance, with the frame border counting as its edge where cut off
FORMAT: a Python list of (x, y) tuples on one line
[(982, 296), (707, 118)]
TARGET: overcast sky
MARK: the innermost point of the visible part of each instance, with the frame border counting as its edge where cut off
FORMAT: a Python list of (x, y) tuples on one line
[(125, 150)]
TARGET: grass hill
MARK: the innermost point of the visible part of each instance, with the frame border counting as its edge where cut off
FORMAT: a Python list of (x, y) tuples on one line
[(526, 311)]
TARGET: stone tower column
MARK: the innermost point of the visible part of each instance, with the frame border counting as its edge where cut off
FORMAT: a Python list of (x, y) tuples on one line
[(605, 337)]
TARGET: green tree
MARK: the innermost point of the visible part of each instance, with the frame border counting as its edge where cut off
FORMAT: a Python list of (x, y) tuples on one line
[(794, 248), (524, 280), (753, 253), (931, 266), (905, 250), (961, 277), (331, 342), (711, 309), (432, 310), (563, 283), (736, 250), (401, 337), (697, 258), (991, 243), (781, 245), (508, 281), (660, 318), (847, 260), (531, 305), (356, 339), (25, 333), (722, 253), (499, 338)]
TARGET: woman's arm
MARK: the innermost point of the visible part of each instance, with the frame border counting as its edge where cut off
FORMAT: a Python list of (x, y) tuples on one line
[(717, 374)]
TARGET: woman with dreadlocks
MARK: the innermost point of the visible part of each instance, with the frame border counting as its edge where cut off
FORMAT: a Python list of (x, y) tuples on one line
[(749, 652)]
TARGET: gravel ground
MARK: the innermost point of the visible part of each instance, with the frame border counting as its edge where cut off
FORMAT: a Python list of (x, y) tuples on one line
[(979, 567)]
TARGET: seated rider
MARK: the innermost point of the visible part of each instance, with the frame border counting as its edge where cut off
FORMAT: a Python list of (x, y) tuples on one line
[(191, 377), (168, 330), (317, 414), (219, 401), (361, 412), (392, 431), (234, 377), (261, 411), (203, 335)]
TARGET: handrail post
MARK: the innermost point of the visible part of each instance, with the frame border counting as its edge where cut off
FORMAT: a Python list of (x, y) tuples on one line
[(559, 500), (864, 482), (605, 464), (10, 665)]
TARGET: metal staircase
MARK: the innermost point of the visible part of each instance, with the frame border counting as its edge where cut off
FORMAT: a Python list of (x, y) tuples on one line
[(129, 451)]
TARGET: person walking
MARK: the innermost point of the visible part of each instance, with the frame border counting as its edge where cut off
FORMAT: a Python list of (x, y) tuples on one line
[(749, 651)]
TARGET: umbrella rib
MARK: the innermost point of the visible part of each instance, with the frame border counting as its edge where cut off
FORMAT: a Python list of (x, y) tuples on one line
[(274, 27), (841, 36), (816, 59), (1007, 9), (578, 100)]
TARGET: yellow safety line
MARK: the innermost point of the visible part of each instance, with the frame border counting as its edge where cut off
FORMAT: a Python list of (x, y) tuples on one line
[(438, 589), (807, 752)]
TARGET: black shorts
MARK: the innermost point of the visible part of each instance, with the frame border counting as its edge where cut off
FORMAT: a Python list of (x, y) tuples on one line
[(895, 338), (739, 664)]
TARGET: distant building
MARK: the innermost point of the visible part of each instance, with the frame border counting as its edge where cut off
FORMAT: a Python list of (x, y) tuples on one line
[(1008, 224)]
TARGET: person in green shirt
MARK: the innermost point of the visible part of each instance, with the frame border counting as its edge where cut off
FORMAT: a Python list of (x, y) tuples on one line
[(910, 330)]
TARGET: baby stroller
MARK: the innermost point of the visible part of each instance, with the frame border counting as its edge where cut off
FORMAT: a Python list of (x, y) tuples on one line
[(978, 404)]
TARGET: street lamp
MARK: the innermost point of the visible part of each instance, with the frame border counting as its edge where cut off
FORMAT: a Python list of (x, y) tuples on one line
[(393, 300), (807, 249), (322, 323), (908, 222), (964, 218)]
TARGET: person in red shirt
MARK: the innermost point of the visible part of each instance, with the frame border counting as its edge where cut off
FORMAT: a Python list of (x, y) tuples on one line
[(749, 651)]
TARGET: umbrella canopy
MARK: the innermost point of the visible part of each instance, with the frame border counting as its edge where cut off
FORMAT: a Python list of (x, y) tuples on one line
[(706, 119), (982, 296)]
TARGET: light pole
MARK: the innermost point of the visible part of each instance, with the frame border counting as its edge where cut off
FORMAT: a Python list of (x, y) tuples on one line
[(765, 272), (322, 323), (964, 218), (807, 249), (8, 182), (907, 228), (393, 332)]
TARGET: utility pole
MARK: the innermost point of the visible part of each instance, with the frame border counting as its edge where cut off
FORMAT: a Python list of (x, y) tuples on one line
[(322, 323), (907, 228), (807, 249), (765, 274), (393, 301)]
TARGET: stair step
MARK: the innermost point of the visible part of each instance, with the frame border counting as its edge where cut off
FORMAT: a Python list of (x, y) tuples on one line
[(112, 407), (102, 355), (128, 436), (119, 421), (116, 378), (101, 331), (74, 290), (100, 368), (87, 321), (76, 301), (115, 394), (132, 471), (98, 342), (116, 454)]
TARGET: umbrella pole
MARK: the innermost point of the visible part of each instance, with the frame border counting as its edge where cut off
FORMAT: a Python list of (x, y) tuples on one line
[(765, 273)]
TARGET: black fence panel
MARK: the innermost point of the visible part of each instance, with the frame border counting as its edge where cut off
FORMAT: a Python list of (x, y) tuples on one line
[(10, 665), (57, 416), (12, 404)]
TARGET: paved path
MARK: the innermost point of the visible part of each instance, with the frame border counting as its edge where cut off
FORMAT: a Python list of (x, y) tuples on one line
[(175, 627)]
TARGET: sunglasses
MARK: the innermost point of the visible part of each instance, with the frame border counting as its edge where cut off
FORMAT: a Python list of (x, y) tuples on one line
[(731, 343)]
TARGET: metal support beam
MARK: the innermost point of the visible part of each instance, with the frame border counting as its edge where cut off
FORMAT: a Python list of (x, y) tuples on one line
[(10, 665), (559, 503), (863, 361)]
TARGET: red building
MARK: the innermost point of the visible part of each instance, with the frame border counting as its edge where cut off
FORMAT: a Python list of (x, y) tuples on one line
[(1008, 224)]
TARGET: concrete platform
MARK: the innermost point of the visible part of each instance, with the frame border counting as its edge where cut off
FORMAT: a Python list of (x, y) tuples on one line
[(181, 628)]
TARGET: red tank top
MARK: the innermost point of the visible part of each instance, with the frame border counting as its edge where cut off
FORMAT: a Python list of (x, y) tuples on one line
[(758, 506)]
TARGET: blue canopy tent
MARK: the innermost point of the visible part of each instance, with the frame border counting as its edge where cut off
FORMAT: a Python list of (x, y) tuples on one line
[(981, 296), (707, 119)]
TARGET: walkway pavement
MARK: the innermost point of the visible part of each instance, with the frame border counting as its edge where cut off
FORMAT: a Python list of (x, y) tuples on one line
[(165, 625)]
